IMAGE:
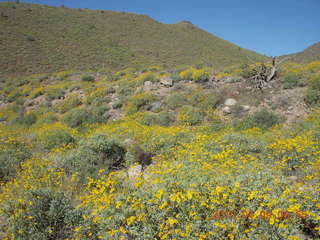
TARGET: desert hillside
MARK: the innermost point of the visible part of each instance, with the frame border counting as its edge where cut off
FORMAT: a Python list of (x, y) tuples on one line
[(39, 39), (114, 126)]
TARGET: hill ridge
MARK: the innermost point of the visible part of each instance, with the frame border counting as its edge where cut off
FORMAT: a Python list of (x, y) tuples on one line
[(91, 39)]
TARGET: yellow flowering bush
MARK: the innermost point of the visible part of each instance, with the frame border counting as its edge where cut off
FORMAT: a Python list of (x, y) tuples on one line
[(209, 179), (197, 75)]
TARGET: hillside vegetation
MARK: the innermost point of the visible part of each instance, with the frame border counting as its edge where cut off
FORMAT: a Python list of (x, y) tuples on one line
[(310, 54), (69, 168), (39, 39)]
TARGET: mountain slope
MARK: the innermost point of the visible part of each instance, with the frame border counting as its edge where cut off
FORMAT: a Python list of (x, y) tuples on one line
[(310, 54), (39, 38)]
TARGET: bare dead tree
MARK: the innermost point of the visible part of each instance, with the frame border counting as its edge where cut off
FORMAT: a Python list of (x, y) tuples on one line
[(262, 75)]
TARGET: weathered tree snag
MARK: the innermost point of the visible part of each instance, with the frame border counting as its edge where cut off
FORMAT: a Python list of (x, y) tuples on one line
[(273, 70), (263, 75)]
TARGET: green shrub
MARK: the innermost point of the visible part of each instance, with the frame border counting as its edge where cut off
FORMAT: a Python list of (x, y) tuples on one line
[(244, 144), (38, 92), (149, 77), (93, 154), (56, 138), (246, 72), (30, 38), (314, 82), (13, 96), (48, 118), (25, 119), (176, 100), (88, 78), (117, 104), (139, 101), (110, 90), (195, 97), (312, 97), (75, 117), (12, 154), (62, 75), (49, 216), (262, 119), (163, 118), (78, 116), (210, 102), (98, 114), (54, 93), (69, 103), (292, 81), (98, 97), (189, 115)]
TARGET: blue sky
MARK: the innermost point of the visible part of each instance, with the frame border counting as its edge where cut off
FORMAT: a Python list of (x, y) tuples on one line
[(271, 27)]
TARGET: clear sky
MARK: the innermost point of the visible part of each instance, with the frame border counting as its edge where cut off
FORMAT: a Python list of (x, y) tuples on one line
[(271, 27)]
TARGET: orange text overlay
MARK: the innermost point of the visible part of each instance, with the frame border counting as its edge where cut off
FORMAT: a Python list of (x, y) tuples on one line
[(263, 214)]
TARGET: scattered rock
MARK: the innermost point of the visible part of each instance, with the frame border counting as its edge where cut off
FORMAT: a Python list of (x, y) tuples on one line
[(230, 102), (293, 178), (290, 108), (147, 83), (134, 172), (166, 81), (148, 86), (245, 108), (29, 103), (226, 110), (32, 103), (115, 114), (57, 101)]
